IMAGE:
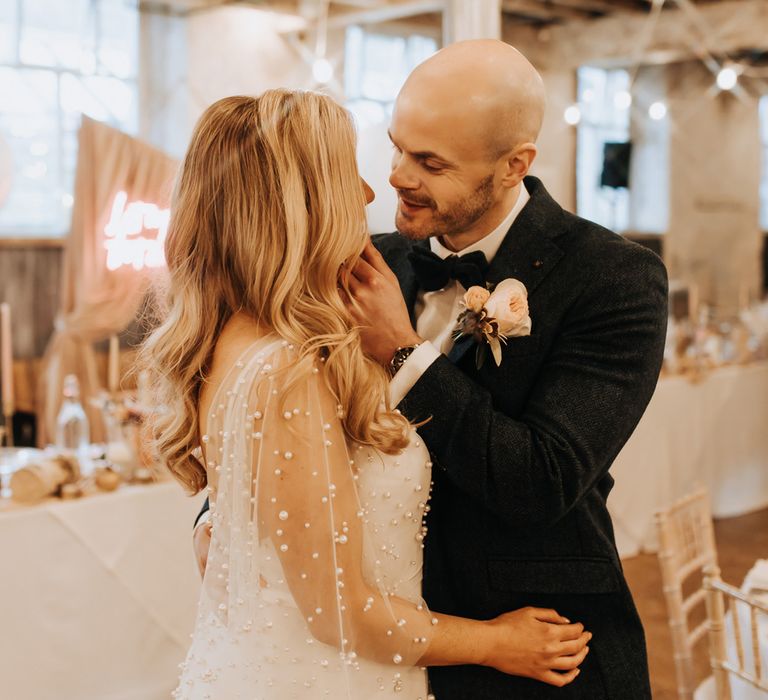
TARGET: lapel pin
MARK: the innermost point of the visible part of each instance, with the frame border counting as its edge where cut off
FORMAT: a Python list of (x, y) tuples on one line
[(537, 264)]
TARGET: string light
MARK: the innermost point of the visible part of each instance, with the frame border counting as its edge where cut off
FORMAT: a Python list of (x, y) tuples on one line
[(727, 78), (657, 111), (572, 115)]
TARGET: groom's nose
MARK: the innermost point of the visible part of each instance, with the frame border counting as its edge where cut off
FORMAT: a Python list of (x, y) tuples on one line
[(402, 175)]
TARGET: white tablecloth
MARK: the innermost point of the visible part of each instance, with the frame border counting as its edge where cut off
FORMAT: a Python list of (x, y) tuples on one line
[(97, 596), (712, 434)]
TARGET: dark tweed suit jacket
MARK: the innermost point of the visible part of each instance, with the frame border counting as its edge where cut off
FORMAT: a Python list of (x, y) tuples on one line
[(521, 451)]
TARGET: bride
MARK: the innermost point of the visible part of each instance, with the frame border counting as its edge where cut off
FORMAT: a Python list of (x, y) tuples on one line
[(318, 489)]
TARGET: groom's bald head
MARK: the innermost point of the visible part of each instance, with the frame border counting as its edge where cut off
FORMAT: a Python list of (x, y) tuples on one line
[(486, 88), (464, 128)]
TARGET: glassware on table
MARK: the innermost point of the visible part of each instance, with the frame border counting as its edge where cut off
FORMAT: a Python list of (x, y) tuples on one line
[(72, 429)]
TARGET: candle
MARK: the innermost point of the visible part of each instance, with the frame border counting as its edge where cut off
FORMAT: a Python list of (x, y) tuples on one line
[(6, 358), (693, 301), (113, 365)]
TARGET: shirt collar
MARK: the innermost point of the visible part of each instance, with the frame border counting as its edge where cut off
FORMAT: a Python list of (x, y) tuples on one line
[(491, 243)]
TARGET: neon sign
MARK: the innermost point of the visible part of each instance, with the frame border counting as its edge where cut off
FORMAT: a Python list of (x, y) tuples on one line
[(127, 242)]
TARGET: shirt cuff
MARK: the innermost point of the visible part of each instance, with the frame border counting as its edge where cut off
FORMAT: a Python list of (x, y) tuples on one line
[(205, 516), (417, 363)]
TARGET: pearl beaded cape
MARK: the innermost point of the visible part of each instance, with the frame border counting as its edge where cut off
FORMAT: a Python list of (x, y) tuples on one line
[(313, 582)]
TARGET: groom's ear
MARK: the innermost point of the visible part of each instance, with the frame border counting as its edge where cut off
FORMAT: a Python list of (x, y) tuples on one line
[(517, 163)]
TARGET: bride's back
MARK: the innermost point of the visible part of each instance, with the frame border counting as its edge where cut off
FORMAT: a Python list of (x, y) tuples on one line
[(312, 537)]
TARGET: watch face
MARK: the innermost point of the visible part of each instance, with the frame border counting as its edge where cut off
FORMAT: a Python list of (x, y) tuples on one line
[(400, 356)]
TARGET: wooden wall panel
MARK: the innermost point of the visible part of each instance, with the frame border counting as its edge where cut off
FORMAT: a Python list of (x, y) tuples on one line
[(30, 279)]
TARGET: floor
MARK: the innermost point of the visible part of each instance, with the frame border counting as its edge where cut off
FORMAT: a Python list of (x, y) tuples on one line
[(740, 541)]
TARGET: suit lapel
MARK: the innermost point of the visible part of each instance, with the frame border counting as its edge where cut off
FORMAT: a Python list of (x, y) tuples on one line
[(529, 252), (403, 270)]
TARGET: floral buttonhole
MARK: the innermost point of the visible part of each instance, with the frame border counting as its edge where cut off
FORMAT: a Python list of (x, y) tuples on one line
[(490, 317)]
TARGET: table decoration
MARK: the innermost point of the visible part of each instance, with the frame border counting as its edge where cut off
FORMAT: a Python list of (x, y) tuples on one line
[(703, 341), (44, 478)]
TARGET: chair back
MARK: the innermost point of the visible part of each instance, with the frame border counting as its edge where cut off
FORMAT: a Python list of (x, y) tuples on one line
[(746, 613), (686, 547)]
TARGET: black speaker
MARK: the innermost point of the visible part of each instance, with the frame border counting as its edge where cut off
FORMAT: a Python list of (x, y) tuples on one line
[(616, 159)]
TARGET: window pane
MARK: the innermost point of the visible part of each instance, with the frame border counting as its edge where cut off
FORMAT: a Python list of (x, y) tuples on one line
[(39, 125), (383, 63), (8, 18), (58, 34), (105, 99), (376, 65), (604, 119), (118, 38), (28, 128)]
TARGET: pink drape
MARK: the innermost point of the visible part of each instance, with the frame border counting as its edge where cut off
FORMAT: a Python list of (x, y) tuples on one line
[(95, 301)]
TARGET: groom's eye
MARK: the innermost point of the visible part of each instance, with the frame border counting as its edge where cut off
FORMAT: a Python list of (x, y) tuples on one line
[(432, 167)]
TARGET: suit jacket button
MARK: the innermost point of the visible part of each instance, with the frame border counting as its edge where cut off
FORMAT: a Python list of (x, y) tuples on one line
[(537, 264)]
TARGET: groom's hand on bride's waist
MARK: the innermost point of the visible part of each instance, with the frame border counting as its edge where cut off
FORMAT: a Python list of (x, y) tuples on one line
[(378, 307), (201, 541)]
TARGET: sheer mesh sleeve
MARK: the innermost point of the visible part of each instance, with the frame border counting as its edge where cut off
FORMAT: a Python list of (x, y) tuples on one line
[(291, 535)]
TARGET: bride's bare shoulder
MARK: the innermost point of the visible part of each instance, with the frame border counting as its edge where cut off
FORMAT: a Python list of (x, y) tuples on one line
[(238, 334)]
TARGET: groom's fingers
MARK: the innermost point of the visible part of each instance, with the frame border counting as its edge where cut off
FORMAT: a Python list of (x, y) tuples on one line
[(568, 632), (549, 615), (574, 646), (559, 679), (567, 663), (376, 260), (364, 271)]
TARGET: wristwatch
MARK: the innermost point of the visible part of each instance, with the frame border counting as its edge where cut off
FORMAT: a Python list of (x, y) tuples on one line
[(399, 358)]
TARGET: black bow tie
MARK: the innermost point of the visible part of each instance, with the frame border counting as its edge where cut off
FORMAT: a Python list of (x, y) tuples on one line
[(434, 272)]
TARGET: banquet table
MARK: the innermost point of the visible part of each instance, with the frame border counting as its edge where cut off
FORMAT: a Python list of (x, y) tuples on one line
[(713, 433), (97, 595)]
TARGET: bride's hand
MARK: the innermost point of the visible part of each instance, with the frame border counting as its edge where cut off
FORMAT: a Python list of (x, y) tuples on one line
[(538, 643)]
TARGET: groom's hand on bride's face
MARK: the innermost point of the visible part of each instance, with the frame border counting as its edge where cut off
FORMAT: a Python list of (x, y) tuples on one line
[(379, 308)]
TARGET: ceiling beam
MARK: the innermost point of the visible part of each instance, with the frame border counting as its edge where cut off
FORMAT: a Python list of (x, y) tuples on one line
[(357, 3), (603, 7), (385, 13), (542, 11), (737, 25)]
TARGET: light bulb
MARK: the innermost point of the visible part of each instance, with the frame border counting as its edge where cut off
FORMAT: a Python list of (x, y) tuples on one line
[(657, 111), (727, 78), (572, 115), (322, 70)]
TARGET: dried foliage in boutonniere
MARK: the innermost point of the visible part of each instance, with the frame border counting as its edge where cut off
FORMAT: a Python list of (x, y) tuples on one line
[(492, 317)]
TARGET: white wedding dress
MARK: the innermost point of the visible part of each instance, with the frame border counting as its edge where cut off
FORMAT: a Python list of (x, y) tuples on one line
[(313, 583)]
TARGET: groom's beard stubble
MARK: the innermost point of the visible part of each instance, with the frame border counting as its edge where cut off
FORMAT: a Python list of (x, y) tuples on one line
[(433, 221)]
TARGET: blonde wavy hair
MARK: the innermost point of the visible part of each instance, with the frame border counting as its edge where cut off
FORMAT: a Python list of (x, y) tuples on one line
[(267, 207)]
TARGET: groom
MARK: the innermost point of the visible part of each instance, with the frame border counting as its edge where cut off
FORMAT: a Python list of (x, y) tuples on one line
[(521, 450)]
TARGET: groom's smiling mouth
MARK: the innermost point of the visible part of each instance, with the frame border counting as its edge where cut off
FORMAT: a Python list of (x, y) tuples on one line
[(410, 207)]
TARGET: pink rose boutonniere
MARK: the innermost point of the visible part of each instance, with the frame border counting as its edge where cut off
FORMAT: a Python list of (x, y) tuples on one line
[(492, 317)]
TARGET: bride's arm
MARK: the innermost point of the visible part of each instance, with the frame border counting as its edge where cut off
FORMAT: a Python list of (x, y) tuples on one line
[(308, 506)]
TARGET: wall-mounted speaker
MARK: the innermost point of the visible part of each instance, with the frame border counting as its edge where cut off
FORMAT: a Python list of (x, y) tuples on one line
[(616, 160)]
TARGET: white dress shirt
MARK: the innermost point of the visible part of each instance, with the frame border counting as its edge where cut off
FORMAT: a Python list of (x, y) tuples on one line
[(436, 312)]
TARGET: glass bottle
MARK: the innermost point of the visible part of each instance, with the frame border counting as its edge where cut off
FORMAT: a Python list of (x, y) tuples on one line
[(72, 430)]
